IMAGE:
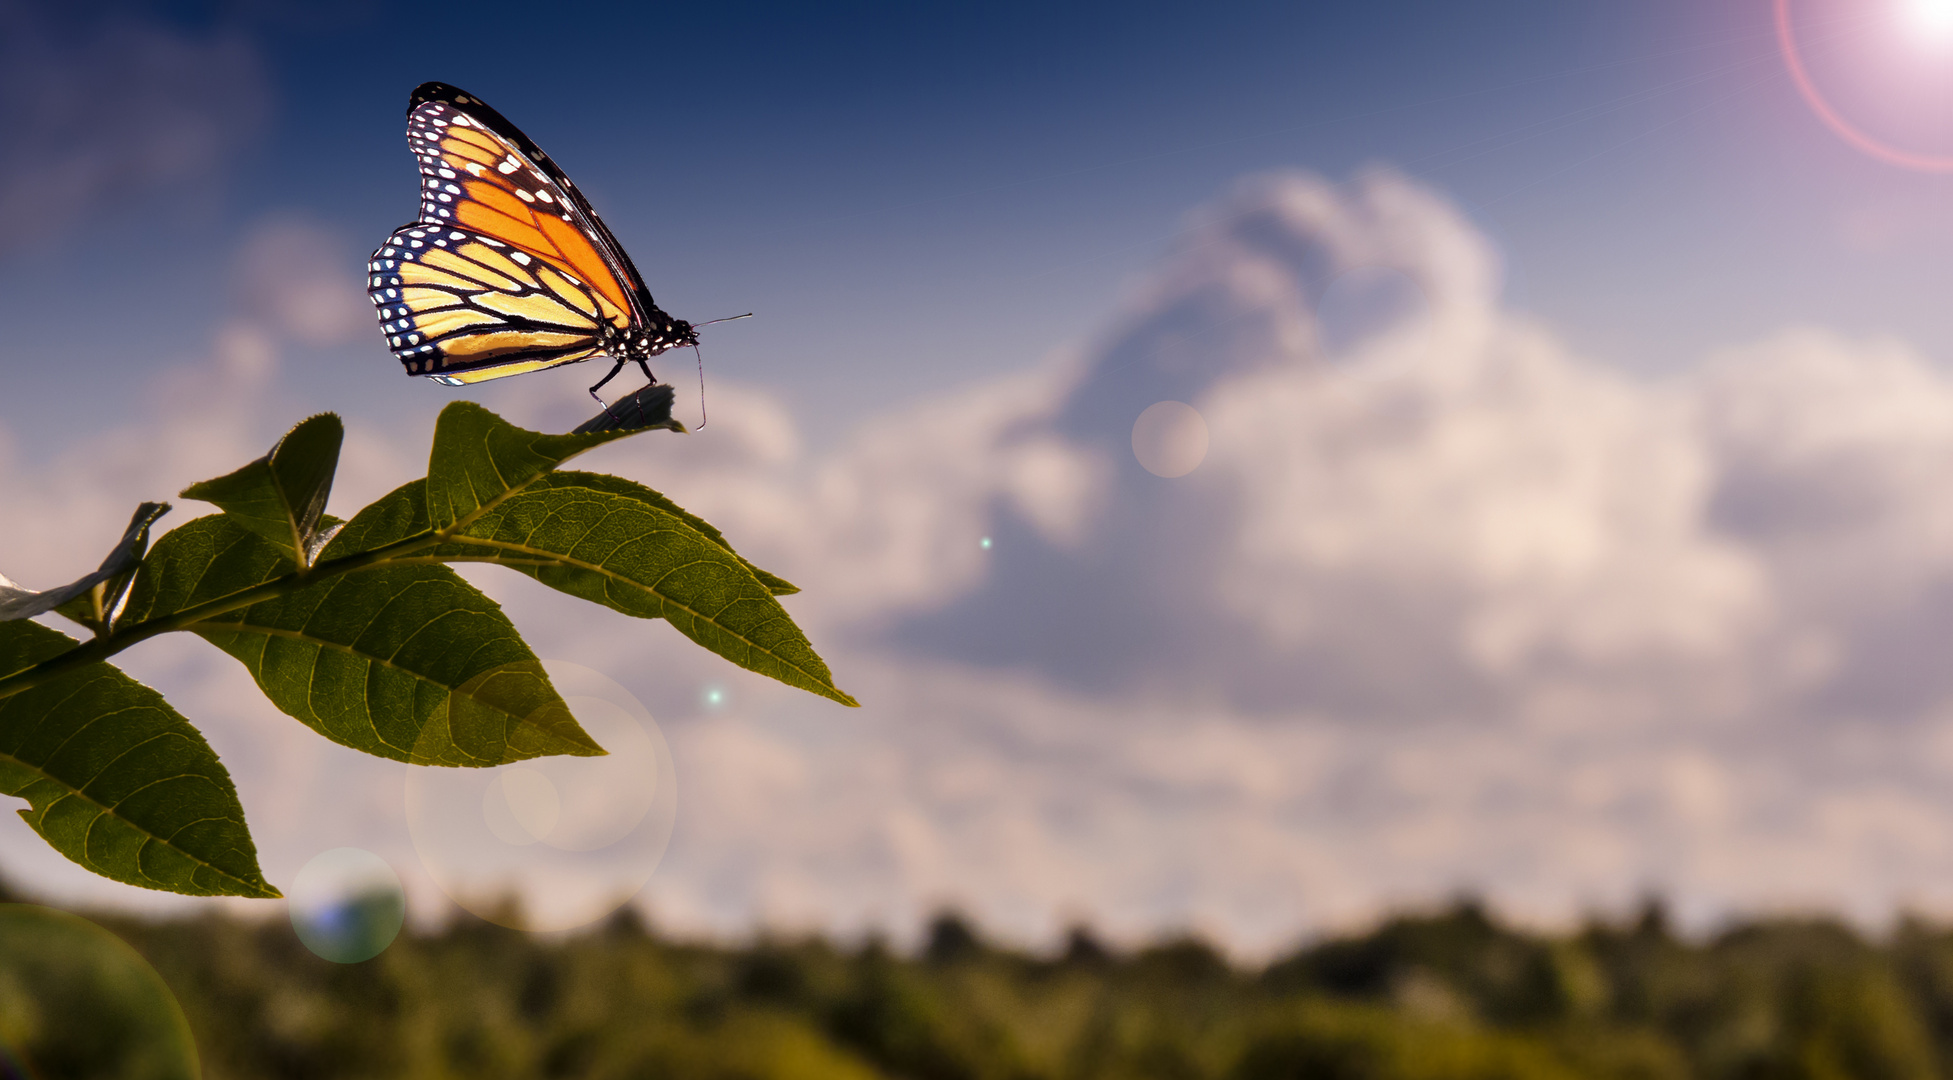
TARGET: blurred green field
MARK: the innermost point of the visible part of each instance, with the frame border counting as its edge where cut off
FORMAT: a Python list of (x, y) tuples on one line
[(1446, 996)]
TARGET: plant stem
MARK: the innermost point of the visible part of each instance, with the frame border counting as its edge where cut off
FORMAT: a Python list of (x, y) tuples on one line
[(120, 638), (104, 647)]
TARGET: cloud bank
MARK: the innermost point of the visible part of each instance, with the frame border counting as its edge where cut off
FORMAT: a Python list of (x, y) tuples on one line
[(1444, 606)]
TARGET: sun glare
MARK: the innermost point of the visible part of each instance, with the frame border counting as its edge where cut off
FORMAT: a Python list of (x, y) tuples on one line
[(1922, 14), (1931, 18)]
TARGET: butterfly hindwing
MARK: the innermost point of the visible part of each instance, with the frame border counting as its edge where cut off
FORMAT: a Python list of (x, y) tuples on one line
[(461, 307)]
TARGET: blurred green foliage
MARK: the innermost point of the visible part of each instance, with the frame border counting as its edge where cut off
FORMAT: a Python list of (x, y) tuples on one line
[(1447, 996), (77, 1001)]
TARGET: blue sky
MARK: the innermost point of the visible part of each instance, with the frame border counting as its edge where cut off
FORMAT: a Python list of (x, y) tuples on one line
[(910, 197), (1562, 515)]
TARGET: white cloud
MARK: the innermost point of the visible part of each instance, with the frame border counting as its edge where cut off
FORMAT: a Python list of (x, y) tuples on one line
[(1445, 606), (304, 281)]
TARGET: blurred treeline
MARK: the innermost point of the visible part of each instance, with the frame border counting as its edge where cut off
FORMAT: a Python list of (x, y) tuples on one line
[(1426, 997)]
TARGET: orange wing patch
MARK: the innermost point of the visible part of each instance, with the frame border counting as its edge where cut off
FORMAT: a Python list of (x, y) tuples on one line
[(475, 178), (498, 198), (488, 221), (582, 257)]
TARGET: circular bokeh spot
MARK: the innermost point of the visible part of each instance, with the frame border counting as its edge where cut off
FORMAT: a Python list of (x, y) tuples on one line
[(1170, 438), (75, 1000), (553, 843), (347, 905), (521, 805)]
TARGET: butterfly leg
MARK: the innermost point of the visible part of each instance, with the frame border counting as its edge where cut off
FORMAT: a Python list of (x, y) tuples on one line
[(600, 382), (648, 377)]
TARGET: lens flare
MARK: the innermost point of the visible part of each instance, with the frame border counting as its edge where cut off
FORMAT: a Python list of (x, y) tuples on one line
[(1170, 439), (84, 1003), (567, 839), (347, 905), (521, 805), (1932, 18), (1800, 76)]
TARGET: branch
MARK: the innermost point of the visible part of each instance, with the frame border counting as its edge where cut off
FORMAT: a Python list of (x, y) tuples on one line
[(120, 638)]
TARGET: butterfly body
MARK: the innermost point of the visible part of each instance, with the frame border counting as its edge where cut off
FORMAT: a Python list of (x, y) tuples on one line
[(508, 269)]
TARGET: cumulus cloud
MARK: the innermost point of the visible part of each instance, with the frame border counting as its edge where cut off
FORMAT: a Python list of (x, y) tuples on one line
[(1445, 606), (99, 109), (303, 281)]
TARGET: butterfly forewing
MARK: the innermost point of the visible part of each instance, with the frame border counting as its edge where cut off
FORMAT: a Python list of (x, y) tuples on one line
[(479, 179), (462, 307)]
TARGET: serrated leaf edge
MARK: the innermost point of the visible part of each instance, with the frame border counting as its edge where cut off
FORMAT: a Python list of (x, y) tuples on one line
[(249, 628), (828, 689), (258, 890)]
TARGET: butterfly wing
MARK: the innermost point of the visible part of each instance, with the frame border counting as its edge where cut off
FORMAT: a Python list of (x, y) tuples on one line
[(460, 307), (480, 172)]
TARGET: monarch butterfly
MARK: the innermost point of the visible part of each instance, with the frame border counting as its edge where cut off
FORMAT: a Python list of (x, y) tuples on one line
[(508, 269)]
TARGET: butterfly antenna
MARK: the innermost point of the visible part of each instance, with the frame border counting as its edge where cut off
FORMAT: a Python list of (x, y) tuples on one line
[(701, 380), (701, 363)]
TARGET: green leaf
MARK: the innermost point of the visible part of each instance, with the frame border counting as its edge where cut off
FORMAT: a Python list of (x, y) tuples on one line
[(775, 584), (393, 517), (402, 513), (407, 662), (113, 577), (117, 781), (479, 458), (620, 544), (282, 496)]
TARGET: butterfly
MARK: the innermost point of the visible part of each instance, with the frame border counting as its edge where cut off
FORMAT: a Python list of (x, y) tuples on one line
[(508, 269)]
